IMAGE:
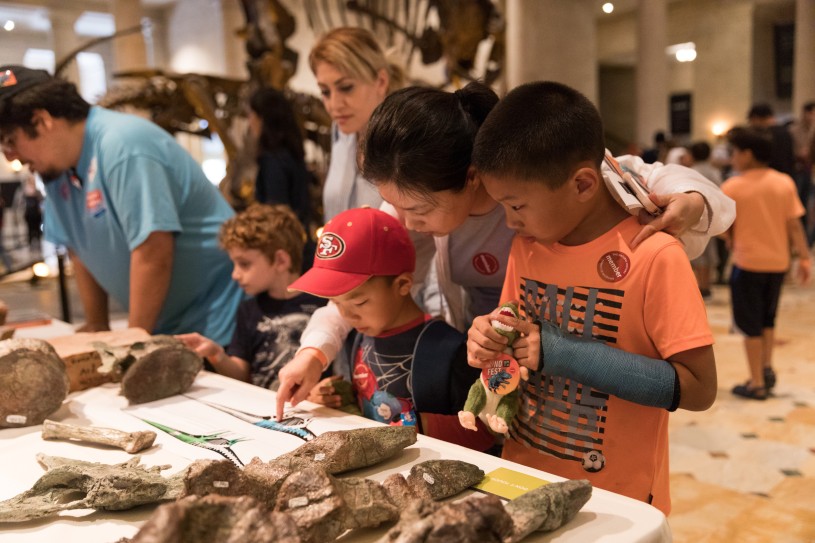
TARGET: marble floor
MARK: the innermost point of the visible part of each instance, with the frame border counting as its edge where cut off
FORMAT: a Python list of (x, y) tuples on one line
[(745, 470)]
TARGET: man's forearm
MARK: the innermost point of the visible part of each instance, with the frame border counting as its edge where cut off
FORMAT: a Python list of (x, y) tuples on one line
[(151, 266), (93, 296)]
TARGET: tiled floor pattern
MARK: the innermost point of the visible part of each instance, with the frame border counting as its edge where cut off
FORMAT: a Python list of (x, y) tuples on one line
[(744, 471)]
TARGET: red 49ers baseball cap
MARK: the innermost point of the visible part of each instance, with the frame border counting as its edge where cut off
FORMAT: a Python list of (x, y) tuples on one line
[(356, 245)]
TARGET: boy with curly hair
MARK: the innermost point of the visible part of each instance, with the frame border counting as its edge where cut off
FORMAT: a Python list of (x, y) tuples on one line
[(265, 244)]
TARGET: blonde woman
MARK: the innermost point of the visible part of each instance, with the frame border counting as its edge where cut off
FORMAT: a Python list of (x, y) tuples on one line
[(354, 77)]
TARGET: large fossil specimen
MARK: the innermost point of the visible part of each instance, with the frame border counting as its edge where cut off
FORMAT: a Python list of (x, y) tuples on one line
[(320, 506), (33, 382), (75, 484)]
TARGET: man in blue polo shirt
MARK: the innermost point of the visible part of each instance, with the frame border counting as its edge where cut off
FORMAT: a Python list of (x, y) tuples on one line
[(135, 210)]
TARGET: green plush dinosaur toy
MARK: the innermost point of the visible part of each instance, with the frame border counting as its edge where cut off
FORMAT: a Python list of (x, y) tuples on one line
[(494, 396)]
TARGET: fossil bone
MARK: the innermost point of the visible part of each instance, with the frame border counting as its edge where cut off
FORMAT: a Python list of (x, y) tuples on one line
[(547, 507), (131, 442), (75, 484), (33, 382)]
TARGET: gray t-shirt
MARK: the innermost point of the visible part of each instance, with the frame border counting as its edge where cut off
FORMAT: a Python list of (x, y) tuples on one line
[(478, 254)]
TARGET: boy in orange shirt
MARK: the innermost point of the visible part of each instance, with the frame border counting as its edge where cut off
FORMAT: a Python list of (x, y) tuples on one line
[(615, 338), (768, 219)]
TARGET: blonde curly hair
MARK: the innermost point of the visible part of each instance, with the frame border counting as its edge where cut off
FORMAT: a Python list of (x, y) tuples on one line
[(266, 228)]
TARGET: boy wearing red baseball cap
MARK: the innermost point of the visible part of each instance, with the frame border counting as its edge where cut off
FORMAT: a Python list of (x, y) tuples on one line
[(406, 368)]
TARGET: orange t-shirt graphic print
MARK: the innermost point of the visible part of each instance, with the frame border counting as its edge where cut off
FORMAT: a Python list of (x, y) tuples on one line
[(645, 302)]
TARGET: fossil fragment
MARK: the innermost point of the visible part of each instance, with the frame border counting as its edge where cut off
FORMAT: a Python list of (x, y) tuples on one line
[(547, 508), (84, 361), (33, 382), (475, 519), (217, 519), (131, 442), (74, 484), (158, 368), (312, 498), (444, 478), (543, 509), (338, 452)]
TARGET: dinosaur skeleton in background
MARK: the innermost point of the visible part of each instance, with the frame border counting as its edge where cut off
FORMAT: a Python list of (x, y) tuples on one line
[(201, 105)]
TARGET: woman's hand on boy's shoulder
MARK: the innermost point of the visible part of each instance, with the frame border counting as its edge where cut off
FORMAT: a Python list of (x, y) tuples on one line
[(681, 212)]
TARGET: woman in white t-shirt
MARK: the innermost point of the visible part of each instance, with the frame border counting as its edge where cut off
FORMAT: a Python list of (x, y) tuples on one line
[(354, 77), (417, 153)]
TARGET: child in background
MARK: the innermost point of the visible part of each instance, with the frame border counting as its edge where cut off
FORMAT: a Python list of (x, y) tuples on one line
[(406, 368), (768, 220), (265, 243), (591, 409)]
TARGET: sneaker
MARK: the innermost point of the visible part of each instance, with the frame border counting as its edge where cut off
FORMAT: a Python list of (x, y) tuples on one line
[(769, 379), (752, 393)]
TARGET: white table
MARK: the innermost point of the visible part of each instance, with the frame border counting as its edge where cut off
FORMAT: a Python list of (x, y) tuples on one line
[(607, 517)]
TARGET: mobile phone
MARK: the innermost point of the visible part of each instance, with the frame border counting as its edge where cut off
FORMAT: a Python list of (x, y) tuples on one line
[(628, 188)]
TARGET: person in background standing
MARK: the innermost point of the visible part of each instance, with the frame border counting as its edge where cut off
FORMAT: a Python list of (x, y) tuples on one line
[(32, 199), (767, 223), (282, 174), (699, 154), (803, 135), (783, 155)]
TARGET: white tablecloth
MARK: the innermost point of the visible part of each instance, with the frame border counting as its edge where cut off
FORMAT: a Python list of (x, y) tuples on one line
[(607, 517)]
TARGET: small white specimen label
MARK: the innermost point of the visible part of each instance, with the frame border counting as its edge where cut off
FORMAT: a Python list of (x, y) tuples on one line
[(220, 484), (299, 501), (16, 419), (429, 478), (319, 457)]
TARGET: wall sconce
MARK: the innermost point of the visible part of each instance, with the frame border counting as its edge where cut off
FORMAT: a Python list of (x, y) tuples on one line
[(683, 52)]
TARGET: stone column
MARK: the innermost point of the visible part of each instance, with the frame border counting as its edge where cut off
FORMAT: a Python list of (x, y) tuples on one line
[(65, 40), (129, 52), (552, 40), (652, 70), (803, 83)]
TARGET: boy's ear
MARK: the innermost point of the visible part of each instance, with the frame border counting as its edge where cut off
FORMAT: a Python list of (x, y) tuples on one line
[(404, 282), (472, 178), (282, 260), (586, 182)]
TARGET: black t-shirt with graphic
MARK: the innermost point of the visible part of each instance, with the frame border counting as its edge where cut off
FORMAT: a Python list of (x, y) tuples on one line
[(267, 333)]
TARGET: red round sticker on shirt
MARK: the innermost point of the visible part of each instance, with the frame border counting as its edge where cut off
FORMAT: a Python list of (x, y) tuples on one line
[(485, 263), (614, 266), (501, 375)]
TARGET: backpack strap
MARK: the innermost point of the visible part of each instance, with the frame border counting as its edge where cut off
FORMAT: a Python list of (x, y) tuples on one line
[(433, 356)]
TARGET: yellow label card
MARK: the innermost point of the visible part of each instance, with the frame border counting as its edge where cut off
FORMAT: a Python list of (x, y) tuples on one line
[(508, 484)]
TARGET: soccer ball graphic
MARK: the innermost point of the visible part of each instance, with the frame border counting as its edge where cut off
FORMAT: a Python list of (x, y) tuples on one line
[(593, 461)]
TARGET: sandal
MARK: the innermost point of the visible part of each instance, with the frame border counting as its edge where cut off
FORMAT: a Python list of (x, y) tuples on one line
[(769, 379), (752, 393)]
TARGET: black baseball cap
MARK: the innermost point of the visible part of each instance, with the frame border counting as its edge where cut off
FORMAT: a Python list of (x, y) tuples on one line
[(15, 79)]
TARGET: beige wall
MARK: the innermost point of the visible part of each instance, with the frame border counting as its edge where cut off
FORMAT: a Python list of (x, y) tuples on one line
[(721, 76)]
